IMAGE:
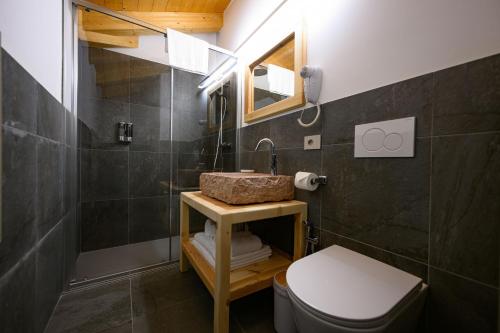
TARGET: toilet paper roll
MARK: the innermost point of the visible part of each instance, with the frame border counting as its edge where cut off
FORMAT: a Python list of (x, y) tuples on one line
[(304, 181)]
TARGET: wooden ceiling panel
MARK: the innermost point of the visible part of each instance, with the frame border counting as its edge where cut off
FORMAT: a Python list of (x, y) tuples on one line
[(183, 15), (182, 21), (159, 5), (189, 6)]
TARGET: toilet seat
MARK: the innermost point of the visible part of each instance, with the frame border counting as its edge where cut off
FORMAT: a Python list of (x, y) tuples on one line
[(349, 289), (370, 324)]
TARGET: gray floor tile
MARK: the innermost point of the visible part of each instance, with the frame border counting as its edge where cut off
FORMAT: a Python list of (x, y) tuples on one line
[(105, 308), (163, 300)]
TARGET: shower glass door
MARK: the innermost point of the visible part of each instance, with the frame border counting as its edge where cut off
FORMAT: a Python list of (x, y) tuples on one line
[(203, 137), (146, 132), (124, 145)]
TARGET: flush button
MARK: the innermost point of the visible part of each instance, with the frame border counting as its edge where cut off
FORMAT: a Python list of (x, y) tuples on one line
[(393, 141), (373, 139), (392, 138)]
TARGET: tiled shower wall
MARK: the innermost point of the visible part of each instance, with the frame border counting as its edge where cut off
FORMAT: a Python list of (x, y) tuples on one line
[(125, 189), (38, 249), (436, 215)]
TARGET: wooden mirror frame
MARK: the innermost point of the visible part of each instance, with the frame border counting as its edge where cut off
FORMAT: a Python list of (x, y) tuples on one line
[(295, 101)]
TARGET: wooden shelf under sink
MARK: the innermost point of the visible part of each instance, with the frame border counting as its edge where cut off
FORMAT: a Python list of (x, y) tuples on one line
[(242, 281), (226, 285)]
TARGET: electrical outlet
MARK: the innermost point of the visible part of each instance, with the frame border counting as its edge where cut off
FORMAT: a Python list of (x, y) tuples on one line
[(312, 142)]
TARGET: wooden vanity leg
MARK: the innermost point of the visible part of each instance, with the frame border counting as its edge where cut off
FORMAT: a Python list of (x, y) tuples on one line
[(183, 260), (222, 272), (298, 236)]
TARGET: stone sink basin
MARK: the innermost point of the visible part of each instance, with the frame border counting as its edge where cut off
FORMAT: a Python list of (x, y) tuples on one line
[(237, 188)]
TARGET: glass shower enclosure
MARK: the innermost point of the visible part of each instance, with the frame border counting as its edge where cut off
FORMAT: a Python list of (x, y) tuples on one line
[(145, 133)]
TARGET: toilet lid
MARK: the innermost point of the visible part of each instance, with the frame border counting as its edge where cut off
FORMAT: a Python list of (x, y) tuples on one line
[(349, 286)]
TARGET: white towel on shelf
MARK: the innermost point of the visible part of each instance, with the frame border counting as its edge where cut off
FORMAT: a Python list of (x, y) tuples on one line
[(281, 80), (241, 243), (236, 262), (187, 52), (210, 228)]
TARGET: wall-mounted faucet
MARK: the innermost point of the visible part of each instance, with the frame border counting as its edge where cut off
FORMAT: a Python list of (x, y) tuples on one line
[(274, 163)]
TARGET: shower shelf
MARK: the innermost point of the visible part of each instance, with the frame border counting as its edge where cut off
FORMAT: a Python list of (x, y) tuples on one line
[(225, 285)]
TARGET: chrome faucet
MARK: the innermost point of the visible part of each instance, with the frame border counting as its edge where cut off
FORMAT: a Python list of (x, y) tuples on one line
[(274, 163)]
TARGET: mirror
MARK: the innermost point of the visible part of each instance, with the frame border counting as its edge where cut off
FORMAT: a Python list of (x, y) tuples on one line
[(273, 82), (273, 78)]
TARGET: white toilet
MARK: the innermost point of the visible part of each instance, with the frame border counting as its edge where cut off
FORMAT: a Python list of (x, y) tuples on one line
[(339, 290)]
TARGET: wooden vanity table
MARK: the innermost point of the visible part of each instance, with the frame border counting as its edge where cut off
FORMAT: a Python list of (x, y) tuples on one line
[(226, 285)]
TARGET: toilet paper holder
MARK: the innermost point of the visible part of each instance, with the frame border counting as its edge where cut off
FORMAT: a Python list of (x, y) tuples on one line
[(308, 181), (322, 180)]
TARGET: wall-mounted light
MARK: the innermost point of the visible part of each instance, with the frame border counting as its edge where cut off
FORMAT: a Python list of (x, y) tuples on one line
[(219, 74)]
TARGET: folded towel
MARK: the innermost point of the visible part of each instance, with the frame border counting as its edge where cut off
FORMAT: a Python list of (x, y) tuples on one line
[(281, 80), (236, 262), (210, 228), (241, 243), (187, 52)]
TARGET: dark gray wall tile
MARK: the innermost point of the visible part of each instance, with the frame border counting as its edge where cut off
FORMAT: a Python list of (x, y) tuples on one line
[(33, 185), (466, 205), (190, 167), (414, 98), (250, 135), (71, 244), (50, 116), (149, 219), (98, 123), (70, 178), (17, 292), (149, 83), (340, 116), (410, 98), (381, 202), (105, 308), (459, 305), (229, 162), (104, 175), (104, 224), (19, 196), (20, 95), (260, 161), (189, 107), (149, 174), (50, 158), (175, 207), (146, 120), (49, 274), (255, 312), (290, 161), (286, 132), (229, 139), (70, 130), (103, 74), (411, 266), (277, 231), (468, 97)]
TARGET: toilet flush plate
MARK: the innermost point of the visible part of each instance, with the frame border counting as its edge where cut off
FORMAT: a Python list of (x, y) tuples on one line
[(392, 138)]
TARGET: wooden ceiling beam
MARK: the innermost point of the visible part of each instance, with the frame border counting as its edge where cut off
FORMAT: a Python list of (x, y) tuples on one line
[(181, 21), (106, 40)]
